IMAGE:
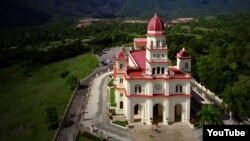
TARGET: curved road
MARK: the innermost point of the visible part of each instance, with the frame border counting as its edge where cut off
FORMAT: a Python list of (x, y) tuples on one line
[(73, 115)]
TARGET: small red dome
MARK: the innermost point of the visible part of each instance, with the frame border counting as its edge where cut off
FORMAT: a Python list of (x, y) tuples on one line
[(183, 53), (121, 55), (156, 24)]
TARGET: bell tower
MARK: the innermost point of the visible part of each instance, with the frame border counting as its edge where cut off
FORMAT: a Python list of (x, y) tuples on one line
[(156, 49)]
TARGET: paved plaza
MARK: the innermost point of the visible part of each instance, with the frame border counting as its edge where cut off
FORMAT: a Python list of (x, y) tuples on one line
[(177, 132)]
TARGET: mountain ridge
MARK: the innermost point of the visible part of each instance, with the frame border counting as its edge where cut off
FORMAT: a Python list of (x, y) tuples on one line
[(31, 10)]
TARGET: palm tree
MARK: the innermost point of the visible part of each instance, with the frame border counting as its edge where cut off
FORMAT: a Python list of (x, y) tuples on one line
[(231, 100), (209, 115)]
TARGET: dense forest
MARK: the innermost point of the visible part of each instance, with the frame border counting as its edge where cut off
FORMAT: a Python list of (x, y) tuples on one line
[(219, 46)]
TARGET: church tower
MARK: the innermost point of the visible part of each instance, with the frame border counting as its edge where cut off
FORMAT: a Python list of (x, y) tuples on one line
[(156, 49), (184, 61)]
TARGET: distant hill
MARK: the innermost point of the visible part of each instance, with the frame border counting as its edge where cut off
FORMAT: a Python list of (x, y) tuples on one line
[(34, 11), (141, 8)]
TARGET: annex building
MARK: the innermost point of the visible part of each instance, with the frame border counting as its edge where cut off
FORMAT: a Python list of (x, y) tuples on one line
[(147, 88)]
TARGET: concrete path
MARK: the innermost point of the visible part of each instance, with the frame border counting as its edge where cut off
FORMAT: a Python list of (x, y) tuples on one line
[(96, 112)]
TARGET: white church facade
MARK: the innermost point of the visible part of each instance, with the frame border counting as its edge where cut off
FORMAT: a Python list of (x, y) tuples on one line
[(148, 89)]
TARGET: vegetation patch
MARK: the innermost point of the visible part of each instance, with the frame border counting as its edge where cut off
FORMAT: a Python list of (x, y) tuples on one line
[(85, 136), (121, 123), (111, 83), (30, 102), (112, 97)]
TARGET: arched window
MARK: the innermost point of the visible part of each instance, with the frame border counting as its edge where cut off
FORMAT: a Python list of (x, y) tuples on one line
[(186, 65), (158, 70), (121, 105), (162, 70), (153, 70), (163, 44), (178, 88), (152, 44), (157, 43), (121, 66), (137, 88)]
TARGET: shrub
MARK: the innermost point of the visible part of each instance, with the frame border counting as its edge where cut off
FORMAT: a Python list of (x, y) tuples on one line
[(64, 74), (73, 81)]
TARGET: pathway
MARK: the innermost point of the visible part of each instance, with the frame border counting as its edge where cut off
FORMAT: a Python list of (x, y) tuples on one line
[(97, 110)]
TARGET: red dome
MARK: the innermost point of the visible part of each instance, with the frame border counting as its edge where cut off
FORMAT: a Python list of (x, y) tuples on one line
[(121, 56), (183, 53), (156, 24)]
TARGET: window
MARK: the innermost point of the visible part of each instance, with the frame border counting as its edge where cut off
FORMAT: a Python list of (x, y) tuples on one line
[(121, 105), (121, 66), (121, 95), (163, 44), (157, 43), (158, 55), (153, 55), (186, 65), (162, 70), (158, 70), (178, 88), (162, 55), (137, 88), (152, 44), (121, 81), (153, 71)]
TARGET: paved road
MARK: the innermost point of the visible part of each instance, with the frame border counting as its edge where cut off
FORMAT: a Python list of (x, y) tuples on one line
[(97, 111), (73, 115)]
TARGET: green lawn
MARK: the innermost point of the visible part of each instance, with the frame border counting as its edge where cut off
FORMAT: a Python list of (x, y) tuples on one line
[(112, 97), (121, 123), (26, 93)]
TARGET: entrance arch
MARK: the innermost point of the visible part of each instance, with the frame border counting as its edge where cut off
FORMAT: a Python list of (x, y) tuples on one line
[(137, 113), (178, 113), (157, 113)]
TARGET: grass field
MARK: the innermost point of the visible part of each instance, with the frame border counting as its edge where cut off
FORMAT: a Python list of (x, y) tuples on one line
[(26, 93)]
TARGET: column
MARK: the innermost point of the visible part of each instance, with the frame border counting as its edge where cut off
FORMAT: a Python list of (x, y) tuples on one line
[(188, 110), (166, 112), (150, 112)]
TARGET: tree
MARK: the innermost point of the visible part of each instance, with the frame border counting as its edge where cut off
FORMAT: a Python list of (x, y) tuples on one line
[(230, 100), (209, 115)]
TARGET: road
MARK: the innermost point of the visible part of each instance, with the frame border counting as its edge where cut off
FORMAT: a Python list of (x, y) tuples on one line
[(73, 115), (96, 112)]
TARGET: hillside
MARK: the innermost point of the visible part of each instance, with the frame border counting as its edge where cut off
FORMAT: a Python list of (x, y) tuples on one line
[(141, 8)]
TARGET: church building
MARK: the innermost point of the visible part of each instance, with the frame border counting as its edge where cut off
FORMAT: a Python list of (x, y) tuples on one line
[(148, 89)]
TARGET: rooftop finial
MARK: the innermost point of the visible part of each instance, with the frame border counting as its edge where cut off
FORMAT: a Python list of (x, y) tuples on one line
[(155, 14)]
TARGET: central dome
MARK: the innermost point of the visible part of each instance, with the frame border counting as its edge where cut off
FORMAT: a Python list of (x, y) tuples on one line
[(156, 24)]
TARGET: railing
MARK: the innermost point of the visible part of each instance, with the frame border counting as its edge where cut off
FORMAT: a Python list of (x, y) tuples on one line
[(204, 92)]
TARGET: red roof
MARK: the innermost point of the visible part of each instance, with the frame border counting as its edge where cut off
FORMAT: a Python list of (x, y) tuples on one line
[(156, 24), (175, 70), (140, 42), (183, 53), (121, 55), (155, 34), (140, 58)]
